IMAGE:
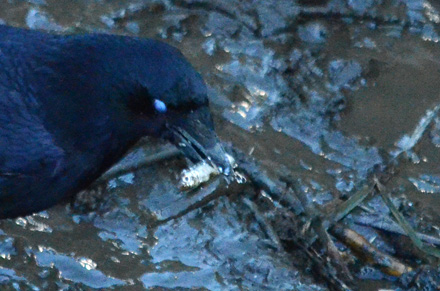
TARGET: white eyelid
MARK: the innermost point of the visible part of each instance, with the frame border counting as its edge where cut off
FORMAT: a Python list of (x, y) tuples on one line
[(160, 106)]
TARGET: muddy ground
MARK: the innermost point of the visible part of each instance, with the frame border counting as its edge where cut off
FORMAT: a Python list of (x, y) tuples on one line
[(330, 93)]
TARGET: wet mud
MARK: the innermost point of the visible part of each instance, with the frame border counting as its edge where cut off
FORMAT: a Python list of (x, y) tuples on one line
[(328, 91)]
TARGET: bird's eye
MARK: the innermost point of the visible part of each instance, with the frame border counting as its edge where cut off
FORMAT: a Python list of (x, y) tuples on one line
[(160, 106)]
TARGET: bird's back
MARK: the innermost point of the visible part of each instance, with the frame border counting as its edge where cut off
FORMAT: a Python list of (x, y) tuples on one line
[(40, 165)]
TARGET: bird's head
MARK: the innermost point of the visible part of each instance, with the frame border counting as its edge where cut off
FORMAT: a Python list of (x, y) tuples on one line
[(165, 97)]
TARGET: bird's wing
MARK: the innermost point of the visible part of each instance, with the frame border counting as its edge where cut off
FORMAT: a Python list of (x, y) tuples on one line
[(28, 153), (30, 160)]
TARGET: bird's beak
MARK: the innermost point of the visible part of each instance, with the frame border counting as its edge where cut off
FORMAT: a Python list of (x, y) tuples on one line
[(196, 138)]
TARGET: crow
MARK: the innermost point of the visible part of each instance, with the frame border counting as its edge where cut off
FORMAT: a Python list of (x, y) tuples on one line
[(71, 106)]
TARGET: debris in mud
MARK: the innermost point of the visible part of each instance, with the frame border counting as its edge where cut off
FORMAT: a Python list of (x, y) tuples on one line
[(426, 278), (426, 183), (37, 19), (407, 142), (369, 253), (343, 73), (313, 32)]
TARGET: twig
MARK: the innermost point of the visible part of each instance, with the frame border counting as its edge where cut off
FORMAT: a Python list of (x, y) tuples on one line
[(369, 253), (321, 266), (166, 152), (277, 192), (346, 207), (320, 228), (407, 228), (388, 225), (261, 180), (199, 199), (264, 223)]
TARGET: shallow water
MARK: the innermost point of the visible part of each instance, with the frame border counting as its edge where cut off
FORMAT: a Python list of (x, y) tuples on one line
[(323, 90)]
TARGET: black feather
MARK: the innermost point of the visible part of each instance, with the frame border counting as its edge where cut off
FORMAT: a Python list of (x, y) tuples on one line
[(71, 106)]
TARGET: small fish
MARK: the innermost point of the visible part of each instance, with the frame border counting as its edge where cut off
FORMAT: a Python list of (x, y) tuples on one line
[(202, 172)]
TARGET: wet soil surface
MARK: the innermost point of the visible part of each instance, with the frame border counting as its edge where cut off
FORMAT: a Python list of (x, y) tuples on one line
[(326, 91)]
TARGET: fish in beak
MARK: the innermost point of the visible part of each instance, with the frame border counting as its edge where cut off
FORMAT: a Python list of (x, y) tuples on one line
[(195, 136)]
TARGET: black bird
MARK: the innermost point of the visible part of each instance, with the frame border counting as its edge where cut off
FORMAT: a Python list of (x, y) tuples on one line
[(72, 106)]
